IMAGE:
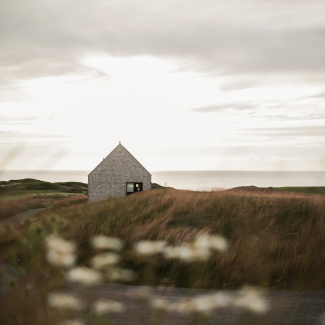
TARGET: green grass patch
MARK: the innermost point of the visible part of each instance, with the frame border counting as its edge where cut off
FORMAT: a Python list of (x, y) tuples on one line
[(42, 186), (77, 184), (19, 188), (155, 186), (13, 195), (304, 189)]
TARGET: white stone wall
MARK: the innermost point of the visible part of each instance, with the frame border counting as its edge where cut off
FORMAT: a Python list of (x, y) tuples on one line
[(109, 178)]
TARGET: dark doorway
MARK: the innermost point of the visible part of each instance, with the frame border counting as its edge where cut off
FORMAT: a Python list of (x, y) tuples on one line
[(133, 188)]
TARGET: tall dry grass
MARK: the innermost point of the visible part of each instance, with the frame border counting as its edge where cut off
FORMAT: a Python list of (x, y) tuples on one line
[(10, 208), (277, 239)]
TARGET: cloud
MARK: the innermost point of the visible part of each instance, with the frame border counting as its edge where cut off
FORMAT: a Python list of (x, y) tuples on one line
[(45, 38), (11, 93), (223, 107), (319, 95), (19, 120), (20, 138), (288, 117), (307, 131), (7, 133), (274, 109), (246, 83), (246, 151)]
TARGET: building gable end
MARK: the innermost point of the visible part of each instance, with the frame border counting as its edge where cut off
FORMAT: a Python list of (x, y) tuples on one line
[(111, 154)]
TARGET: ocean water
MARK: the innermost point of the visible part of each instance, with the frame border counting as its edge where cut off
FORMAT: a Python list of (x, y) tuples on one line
[(191, 180), (208, 180)]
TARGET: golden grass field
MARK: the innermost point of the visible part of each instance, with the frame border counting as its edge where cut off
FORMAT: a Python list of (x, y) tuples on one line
[(276, 239)]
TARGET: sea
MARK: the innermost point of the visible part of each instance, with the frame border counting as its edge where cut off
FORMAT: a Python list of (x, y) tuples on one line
[(190, 180)]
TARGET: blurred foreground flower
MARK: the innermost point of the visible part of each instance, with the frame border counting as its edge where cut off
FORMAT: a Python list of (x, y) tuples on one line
[(105, 242), (60, 252), (64, 301), (102, 260), (201, 303), (108, 306), (249, 298), (159, 303), (147, 247), (200, 250), (204, 304), (252, 299), (187, 253), (84, 275), (215, 242)]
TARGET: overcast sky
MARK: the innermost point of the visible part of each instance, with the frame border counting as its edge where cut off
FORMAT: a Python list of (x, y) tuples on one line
[(184, 85)]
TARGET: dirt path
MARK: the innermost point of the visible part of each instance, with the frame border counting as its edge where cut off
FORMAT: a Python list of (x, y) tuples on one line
[(17, 218)]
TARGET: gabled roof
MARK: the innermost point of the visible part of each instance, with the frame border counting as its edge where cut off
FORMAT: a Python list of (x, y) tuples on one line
[(119, 145)]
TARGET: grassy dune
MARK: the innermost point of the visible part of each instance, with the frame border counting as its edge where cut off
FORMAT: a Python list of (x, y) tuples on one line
[(277, 240)]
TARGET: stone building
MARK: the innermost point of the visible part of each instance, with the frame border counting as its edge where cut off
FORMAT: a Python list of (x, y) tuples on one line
[(118, 175)]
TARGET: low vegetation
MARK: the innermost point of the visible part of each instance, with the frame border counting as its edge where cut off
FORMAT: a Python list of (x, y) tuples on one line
[(276, 241), (13, 189), (24, 194), (10, 208), (305, 189)]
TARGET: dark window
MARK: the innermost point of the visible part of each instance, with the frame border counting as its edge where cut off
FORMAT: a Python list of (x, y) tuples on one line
[(133, 187)]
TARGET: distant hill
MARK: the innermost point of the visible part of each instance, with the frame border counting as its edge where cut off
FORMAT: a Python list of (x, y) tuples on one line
[(30, 186)]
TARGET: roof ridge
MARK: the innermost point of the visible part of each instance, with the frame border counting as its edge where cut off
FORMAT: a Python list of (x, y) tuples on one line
[(127, 152)]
